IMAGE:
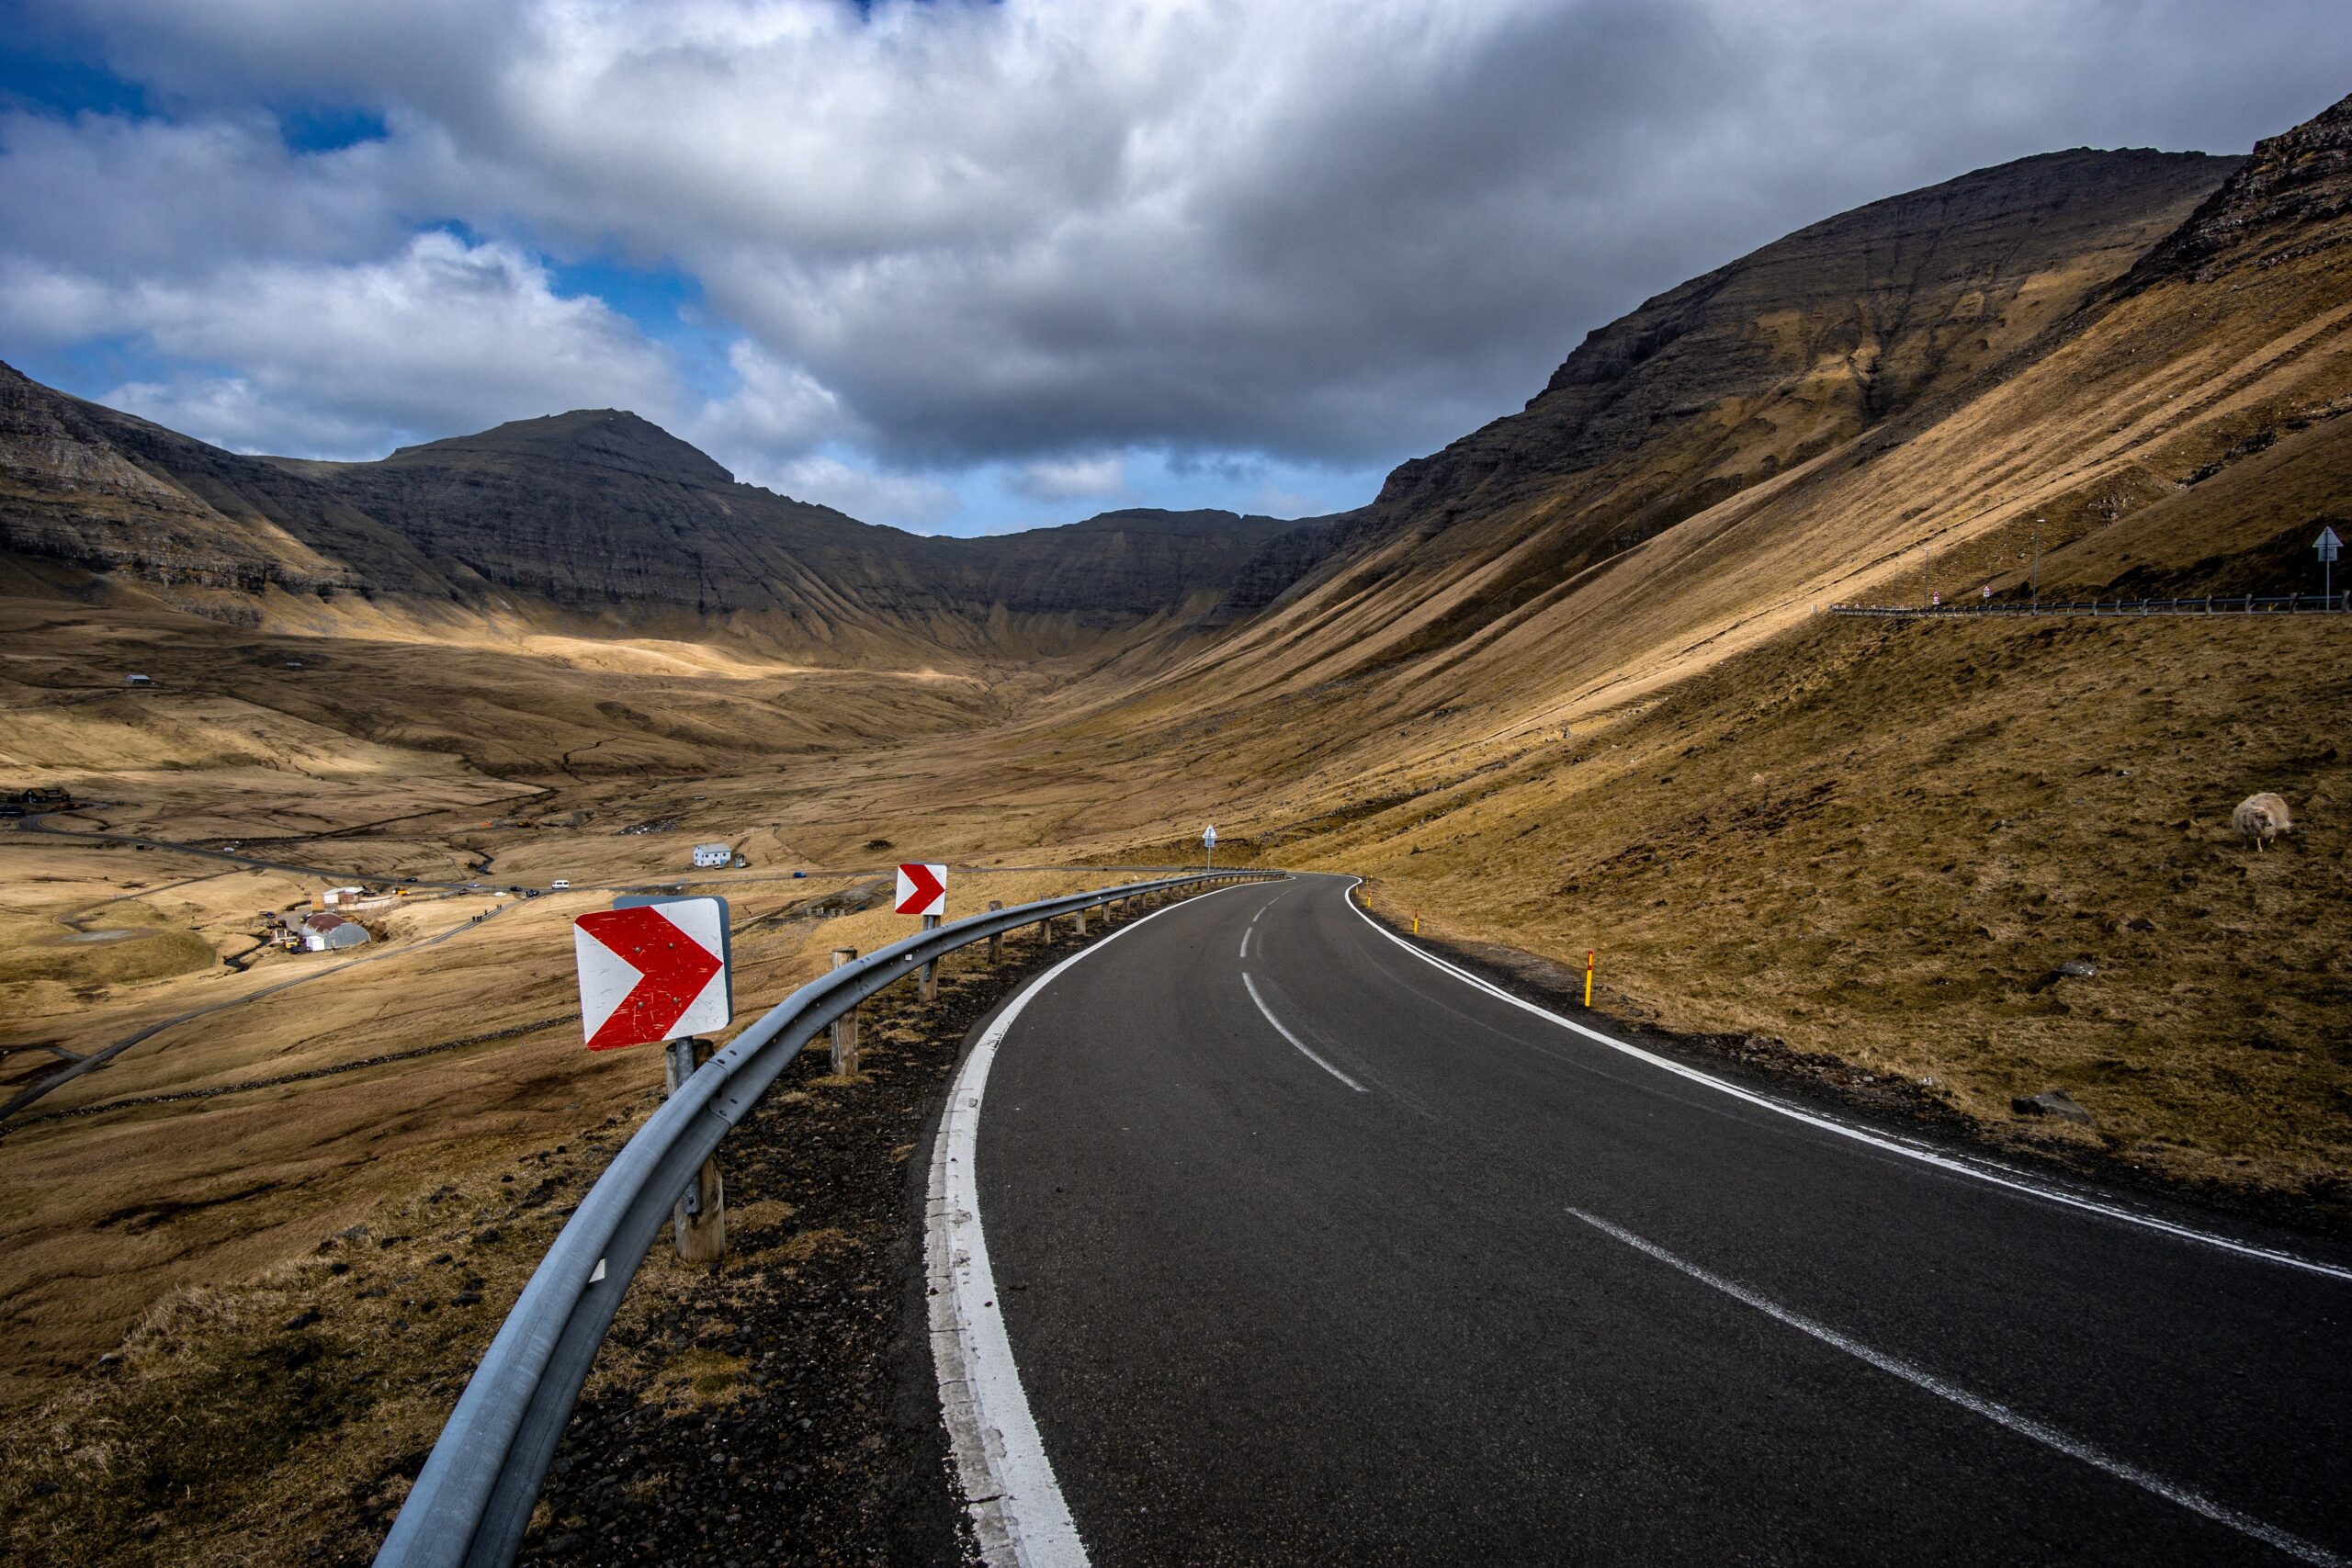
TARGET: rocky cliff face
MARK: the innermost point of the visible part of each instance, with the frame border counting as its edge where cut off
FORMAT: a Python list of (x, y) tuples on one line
[(596, 512), (70, 493), (1752, 368), (2290, 200)]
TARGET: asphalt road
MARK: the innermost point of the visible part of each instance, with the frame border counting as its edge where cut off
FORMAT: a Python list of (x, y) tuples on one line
[(1320, 1254)]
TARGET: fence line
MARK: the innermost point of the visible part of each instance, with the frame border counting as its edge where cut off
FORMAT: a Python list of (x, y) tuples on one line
[(2211, 604)]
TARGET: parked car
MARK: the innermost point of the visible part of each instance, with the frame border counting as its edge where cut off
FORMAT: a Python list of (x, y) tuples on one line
[(561, 885)]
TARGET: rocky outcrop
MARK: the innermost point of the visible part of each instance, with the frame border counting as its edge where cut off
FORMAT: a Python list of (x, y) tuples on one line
[(2291, 198), (1738, 373)]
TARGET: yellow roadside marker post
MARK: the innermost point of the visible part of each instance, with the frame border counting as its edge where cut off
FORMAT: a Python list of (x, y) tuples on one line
[(1587, 978)]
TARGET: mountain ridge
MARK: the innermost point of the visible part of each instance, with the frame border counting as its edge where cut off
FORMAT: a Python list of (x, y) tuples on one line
[(595, 514)]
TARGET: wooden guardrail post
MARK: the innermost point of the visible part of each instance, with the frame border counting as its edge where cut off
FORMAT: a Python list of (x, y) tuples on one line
[(996, 943), (1077, 920), (927, 987), (845, 1026), (699, 1222)]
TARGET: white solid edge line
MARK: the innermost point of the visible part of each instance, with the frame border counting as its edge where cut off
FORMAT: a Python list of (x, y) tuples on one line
[(1844, 1130), (1300, 1045), (2001, 1414), (1245, 942), (1019, 1515)]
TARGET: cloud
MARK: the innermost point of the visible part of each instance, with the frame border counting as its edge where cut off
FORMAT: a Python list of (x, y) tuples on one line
[(442, 333), (956, 235), (775, 409), (902, 501), (1069, 479), (118, 198)]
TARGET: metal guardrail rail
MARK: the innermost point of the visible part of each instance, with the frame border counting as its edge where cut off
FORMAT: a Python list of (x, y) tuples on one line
[(2211, 604), (473, 1499)]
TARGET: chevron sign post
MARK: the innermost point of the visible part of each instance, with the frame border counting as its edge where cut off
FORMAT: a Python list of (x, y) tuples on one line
[(922, 890), (653, 971)]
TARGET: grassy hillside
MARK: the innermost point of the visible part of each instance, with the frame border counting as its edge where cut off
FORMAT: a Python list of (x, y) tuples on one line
[(1565, 687)]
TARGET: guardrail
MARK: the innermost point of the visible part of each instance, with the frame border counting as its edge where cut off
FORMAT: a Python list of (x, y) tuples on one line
[(473, 1499), (2211, 604)]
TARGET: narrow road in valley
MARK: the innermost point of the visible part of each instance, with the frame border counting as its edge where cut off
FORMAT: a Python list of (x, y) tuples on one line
[(1300, 1247)]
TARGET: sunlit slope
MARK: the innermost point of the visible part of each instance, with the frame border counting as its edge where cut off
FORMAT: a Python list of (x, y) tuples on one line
[(1467, 617), (1882, 840)]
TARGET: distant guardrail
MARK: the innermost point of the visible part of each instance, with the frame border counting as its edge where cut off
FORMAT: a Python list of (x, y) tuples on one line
[(2211, 604), (472, 1501)]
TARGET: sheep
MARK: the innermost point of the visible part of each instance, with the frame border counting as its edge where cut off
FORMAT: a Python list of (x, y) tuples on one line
[(2260, 818)]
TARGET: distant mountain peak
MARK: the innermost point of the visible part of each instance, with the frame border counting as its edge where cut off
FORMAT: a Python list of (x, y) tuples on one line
[(607, 438)]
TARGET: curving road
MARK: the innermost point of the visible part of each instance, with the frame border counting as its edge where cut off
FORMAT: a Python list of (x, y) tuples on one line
[(1306, 1250)]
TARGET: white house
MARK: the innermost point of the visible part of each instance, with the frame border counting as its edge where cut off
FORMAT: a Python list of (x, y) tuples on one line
[(321, 933)]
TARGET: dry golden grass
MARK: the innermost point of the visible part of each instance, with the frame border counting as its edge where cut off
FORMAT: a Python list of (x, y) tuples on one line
[(124, 1185), (345, 1329), (1880, 841), (256, 1419), (1867, 839)]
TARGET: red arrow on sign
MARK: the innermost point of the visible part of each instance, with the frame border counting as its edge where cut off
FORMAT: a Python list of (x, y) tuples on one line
[(673, 968), (920, 889)]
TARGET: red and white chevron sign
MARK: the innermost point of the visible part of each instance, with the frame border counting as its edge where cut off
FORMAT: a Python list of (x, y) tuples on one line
[(653, 971), (922, 890)]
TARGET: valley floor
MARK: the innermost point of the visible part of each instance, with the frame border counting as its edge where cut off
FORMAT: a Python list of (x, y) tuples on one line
[(1862, 852)]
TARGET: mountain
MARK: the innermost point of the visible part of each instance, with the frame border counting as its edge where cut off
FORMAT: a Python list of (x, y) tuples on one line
[(595, 516), (598, 518), (1731, 381)]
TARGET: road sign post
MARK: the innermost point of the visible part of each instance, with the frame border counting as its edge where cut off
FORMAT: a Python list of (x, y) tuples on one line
[(927, 988), (656, 969), (996, 942), (845, 1026), (2327, 544), (698, 1223), (1208, 843)]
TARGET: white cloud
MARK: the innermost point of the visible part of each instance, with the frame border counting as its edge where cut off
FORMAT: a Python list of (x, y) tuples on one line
[(957, 234), (119, 199), (441, 334), (870, 495), (775, 410), (1069, 479)]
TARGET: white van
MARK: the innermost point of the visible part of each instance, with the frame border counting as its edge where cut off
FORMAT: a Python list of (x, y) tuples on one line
[(561, 885)]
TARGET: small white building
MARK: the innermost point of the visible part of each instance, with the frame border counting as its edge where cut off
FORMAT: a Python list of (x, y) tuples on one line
[(710, 855), (321, 933)]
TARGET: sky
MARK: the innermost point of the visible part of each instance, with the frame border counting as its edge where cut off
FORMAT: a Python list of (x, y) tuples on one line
[(961, 266)]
